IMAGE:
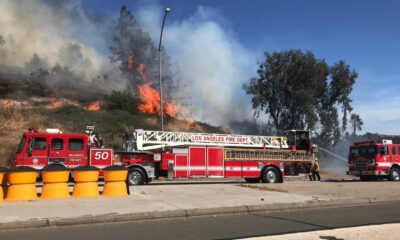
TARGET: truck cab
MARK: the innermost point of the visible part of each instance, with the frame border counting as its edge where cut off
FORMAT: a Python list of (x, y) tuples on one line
[(299, 140), (39, 149), (375, 159)]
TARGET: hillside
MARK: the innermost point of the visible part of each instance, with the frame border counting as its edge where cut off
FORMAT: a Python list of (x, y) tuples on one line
[(111, 125)]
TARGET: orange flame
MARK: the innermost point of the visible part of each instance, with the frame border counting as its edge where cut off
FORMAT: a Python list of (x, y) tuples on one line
[(170, 109), (94, 106), (7, 104), (190, 121), (150, 98), (151, 102), (54, 104)]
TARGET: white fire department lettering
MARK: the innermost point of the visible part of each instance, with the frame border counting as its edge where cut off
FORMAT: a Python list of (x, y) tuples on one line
[(221, 139)]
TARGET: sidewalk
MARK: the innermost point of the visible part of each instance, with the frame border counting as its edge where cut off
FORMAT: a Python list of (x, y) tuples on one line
[(169, 200), (376, 232)]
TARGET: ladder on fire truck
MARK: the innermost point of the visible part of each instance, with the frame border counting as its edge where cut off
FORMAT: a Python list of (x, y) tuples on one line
[(150, 140)]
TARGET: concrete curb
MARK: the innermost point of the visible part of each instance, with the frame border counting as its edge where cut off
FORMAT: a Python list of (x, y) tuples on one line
[(183, 213)]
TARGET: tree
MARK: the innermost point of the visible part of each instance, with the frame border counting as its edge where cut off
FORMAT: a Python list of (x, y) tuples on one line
[(37, 83), (298, 91), (137, 55), (356, 122), (123, 101), (132, 47), (341, 86)]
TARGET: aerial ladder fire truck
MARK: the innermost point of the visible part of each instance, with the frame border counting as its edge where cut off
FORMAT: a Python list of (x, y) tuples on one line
[(154, 154), (151, 154)]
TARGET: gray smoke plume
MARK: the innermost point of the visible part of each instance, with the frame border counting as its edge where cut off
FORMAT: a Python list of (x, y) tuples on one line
[(61, 38), (207, 63), (210, 62)]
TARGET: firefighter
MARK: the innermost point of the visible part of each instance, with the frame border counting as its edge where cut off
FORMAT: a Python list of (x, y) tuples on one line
[(96, 140), (315, 170), (307, 171)]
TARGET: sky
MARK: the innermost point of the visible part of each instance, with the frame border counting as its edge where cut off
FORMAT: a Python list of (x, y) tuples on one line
[(363, 33)]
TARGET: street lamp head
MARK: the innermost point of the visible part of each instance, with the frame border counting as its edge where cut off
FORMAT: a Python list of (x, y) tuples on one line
[(167, 10)]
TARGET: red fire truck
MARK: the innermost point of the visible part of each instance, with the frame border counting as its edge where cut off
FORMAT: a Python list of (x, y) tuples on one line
[(152, 154), (370, 160), (38, 149)]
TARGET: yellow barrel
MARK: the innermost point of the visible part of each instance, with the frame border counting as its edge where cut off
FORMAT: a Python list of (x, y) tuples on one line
[(85, 178), (55, 182), (115, 181), (22, 183), (3, 171)]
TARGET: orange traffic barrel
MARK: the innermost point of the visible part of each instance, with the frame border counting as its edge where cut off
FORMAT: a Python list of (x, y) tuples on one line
[(55, 181), (115, 181), (3, 171), (21, 182), (85, 178)]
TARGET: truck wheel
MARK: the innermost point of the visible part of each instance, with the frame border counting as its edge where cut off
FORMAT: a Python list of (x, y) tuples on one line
[(394, 174), (270, 175), (252, 180), (136, 176)]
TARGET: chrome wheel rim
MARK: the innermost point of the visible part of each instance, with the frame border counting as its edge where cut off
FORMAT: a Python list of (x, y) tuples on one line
[(271, 176), (135, 177), (396, 175)]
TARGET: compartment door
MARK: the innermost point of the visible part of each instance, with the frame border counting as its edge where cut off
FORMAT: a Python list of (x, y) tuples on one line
[(233, 169), (197, 162), (181, 166), (215, 162), (250, 169)]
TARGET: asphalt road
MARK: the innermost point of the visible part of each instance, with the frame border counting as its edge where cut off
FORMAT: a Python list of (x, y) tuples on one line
[(221, 227)]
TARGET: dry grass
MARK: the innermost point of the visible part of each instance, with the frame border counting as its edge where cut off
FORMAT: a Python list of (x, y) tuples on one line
[(15, 122)]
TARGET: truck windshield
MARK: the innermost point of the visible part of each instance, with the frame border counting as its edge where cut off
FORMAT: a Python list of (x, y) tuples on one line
[(363, 151), (21, 144)]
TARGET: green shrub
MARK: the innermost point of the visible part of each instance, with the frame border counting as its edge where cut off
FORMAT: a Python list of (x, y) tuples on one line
[(124, 101)]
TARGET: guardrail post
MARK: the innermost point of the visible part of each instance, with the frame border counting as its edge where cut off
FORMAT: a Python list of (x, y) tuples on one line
[(55, 182), (85, 178), (22, 182), (115, 181)]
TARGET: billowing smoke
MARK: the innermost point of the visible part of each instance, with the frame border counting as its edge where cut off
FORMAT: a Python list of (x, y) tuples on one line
[(63, 45), (212, 65), (58, 37)]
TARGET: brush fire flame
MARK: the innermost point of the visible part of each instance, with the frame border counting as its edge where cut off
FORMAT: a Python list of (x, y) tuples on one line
[(94, 106), (190, 122), (54, 104), (150, 97), (7, 104)]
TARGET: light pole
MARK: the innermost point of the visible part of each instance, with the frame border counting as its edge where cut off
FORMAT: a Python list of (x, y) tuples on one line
[(167, 10)]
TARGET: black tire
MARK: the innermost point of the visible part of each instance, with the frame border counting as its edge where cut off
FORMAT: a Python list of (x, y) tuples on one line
[(136, 176), (252, 180), (394, 174), (271, 175)]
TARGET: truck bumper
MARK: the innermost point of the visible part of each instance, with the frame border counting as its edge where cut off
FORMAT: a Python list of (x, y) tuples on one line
[(368, 173)]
